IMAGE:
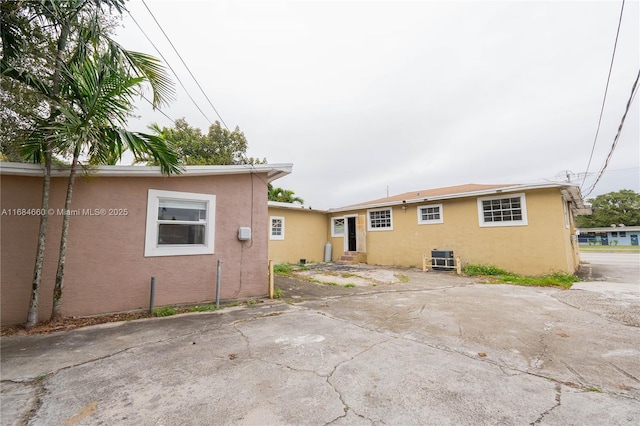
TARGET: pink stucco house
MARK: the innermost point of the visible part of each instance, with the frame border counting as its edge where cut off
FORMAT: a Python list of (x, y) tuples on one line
[(131, 223)]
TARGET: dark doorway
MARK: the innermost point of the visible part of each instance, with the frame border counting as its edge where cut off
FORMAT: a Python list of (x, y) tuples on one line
[(351, 234)]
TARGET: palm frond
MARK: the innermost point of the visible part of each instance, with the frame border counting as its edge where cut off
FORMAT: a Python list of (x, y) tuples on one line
[(156, 74)]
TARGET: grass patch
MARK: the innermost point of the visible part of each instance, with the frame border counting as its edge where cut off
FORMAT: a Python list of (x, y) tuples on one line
[(277, 293), (285, 269), (497, 275), (348, 285), (282, 269), (164, 312)]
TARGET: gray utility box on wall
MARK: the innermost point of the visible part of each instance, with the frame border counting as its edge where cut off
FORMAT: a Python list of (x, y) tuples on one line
[(442, 259)]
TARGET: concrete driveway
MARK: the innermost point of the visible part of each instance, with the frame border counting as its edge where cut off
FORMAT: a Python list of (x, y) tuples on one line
[(429, 348), (611, 267)]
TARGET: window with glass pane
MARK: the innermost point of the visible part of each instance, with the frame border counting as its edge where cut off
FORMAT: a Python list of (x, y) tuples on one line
[(380, 219), (181, 221), (338, 227), (277, 228), (430, 214), (502, 210), (508, 210)]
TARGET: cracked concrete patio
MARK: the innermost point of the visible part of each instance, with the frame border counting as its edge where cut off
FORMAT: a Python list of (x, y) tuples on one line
[(438, 349)]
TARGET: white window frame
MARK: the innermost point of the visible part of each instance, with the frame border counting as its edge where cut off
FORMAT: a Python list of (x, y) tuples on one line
[(386, 228), (430, 221), (523, 208), (151, 246), (333, 226), (271, 235)]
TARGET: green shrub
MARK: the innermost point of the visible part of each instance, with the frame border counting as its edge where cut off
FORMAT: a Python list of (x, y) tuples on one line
[(277, 293)]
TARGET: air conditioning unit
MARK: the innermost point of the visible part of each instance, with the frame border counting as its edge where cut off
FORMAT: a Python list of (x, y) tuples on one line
[(442, 260)]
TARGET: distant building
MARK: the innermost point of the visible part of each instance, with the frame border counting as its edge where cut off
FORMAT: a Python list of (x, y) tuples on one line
[(619, 235)]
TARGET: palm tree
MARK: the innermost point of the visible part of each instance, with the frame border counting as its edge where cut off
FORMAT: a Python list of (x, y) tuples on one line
[(94, 124), (283, 195), (83, 58)]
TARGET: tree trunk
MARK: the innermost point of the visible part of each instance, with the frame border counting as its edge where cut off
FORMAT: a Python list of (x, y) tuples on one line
[(56, 312), (32, 315)]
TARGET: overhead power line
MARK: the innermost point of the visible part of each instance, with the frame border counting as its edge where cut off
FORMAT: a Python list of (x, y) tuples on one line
[(185, 64), (604, 99), (159, 110), (634, 90), (171, 68)]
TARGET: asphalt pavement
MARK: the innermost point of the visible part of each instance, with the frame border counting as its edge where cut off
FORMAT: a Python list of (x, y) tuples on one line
[(399, 347)]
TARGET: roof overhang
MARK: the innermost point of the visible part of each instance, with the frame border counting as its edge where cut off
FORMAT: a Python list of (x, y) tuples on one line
[(572, 194), (273, 171)]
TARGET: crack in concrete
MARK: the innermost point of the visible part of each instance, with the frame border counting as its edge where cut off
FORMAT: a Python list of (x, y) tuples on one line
[(575, 373), (345, 406), (505, 369), (556, 405), (39, 393), (245, 337), (327, 377), (624, 372)]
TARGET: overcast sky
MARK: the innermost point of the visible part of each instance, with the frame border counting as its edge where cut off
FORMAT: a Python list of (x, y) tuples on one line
[(370, 98)]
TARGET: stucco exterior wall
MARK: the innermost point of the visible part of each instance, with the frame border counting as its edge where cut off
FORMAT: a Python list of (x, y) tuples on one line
[(543, 246), (106, 270), (305, 236)]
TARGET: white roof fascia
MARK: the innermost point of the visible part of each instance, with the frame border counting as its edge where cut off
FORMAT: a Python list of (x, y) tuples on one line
[(293, 206), (273, 171), (496, 191)]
